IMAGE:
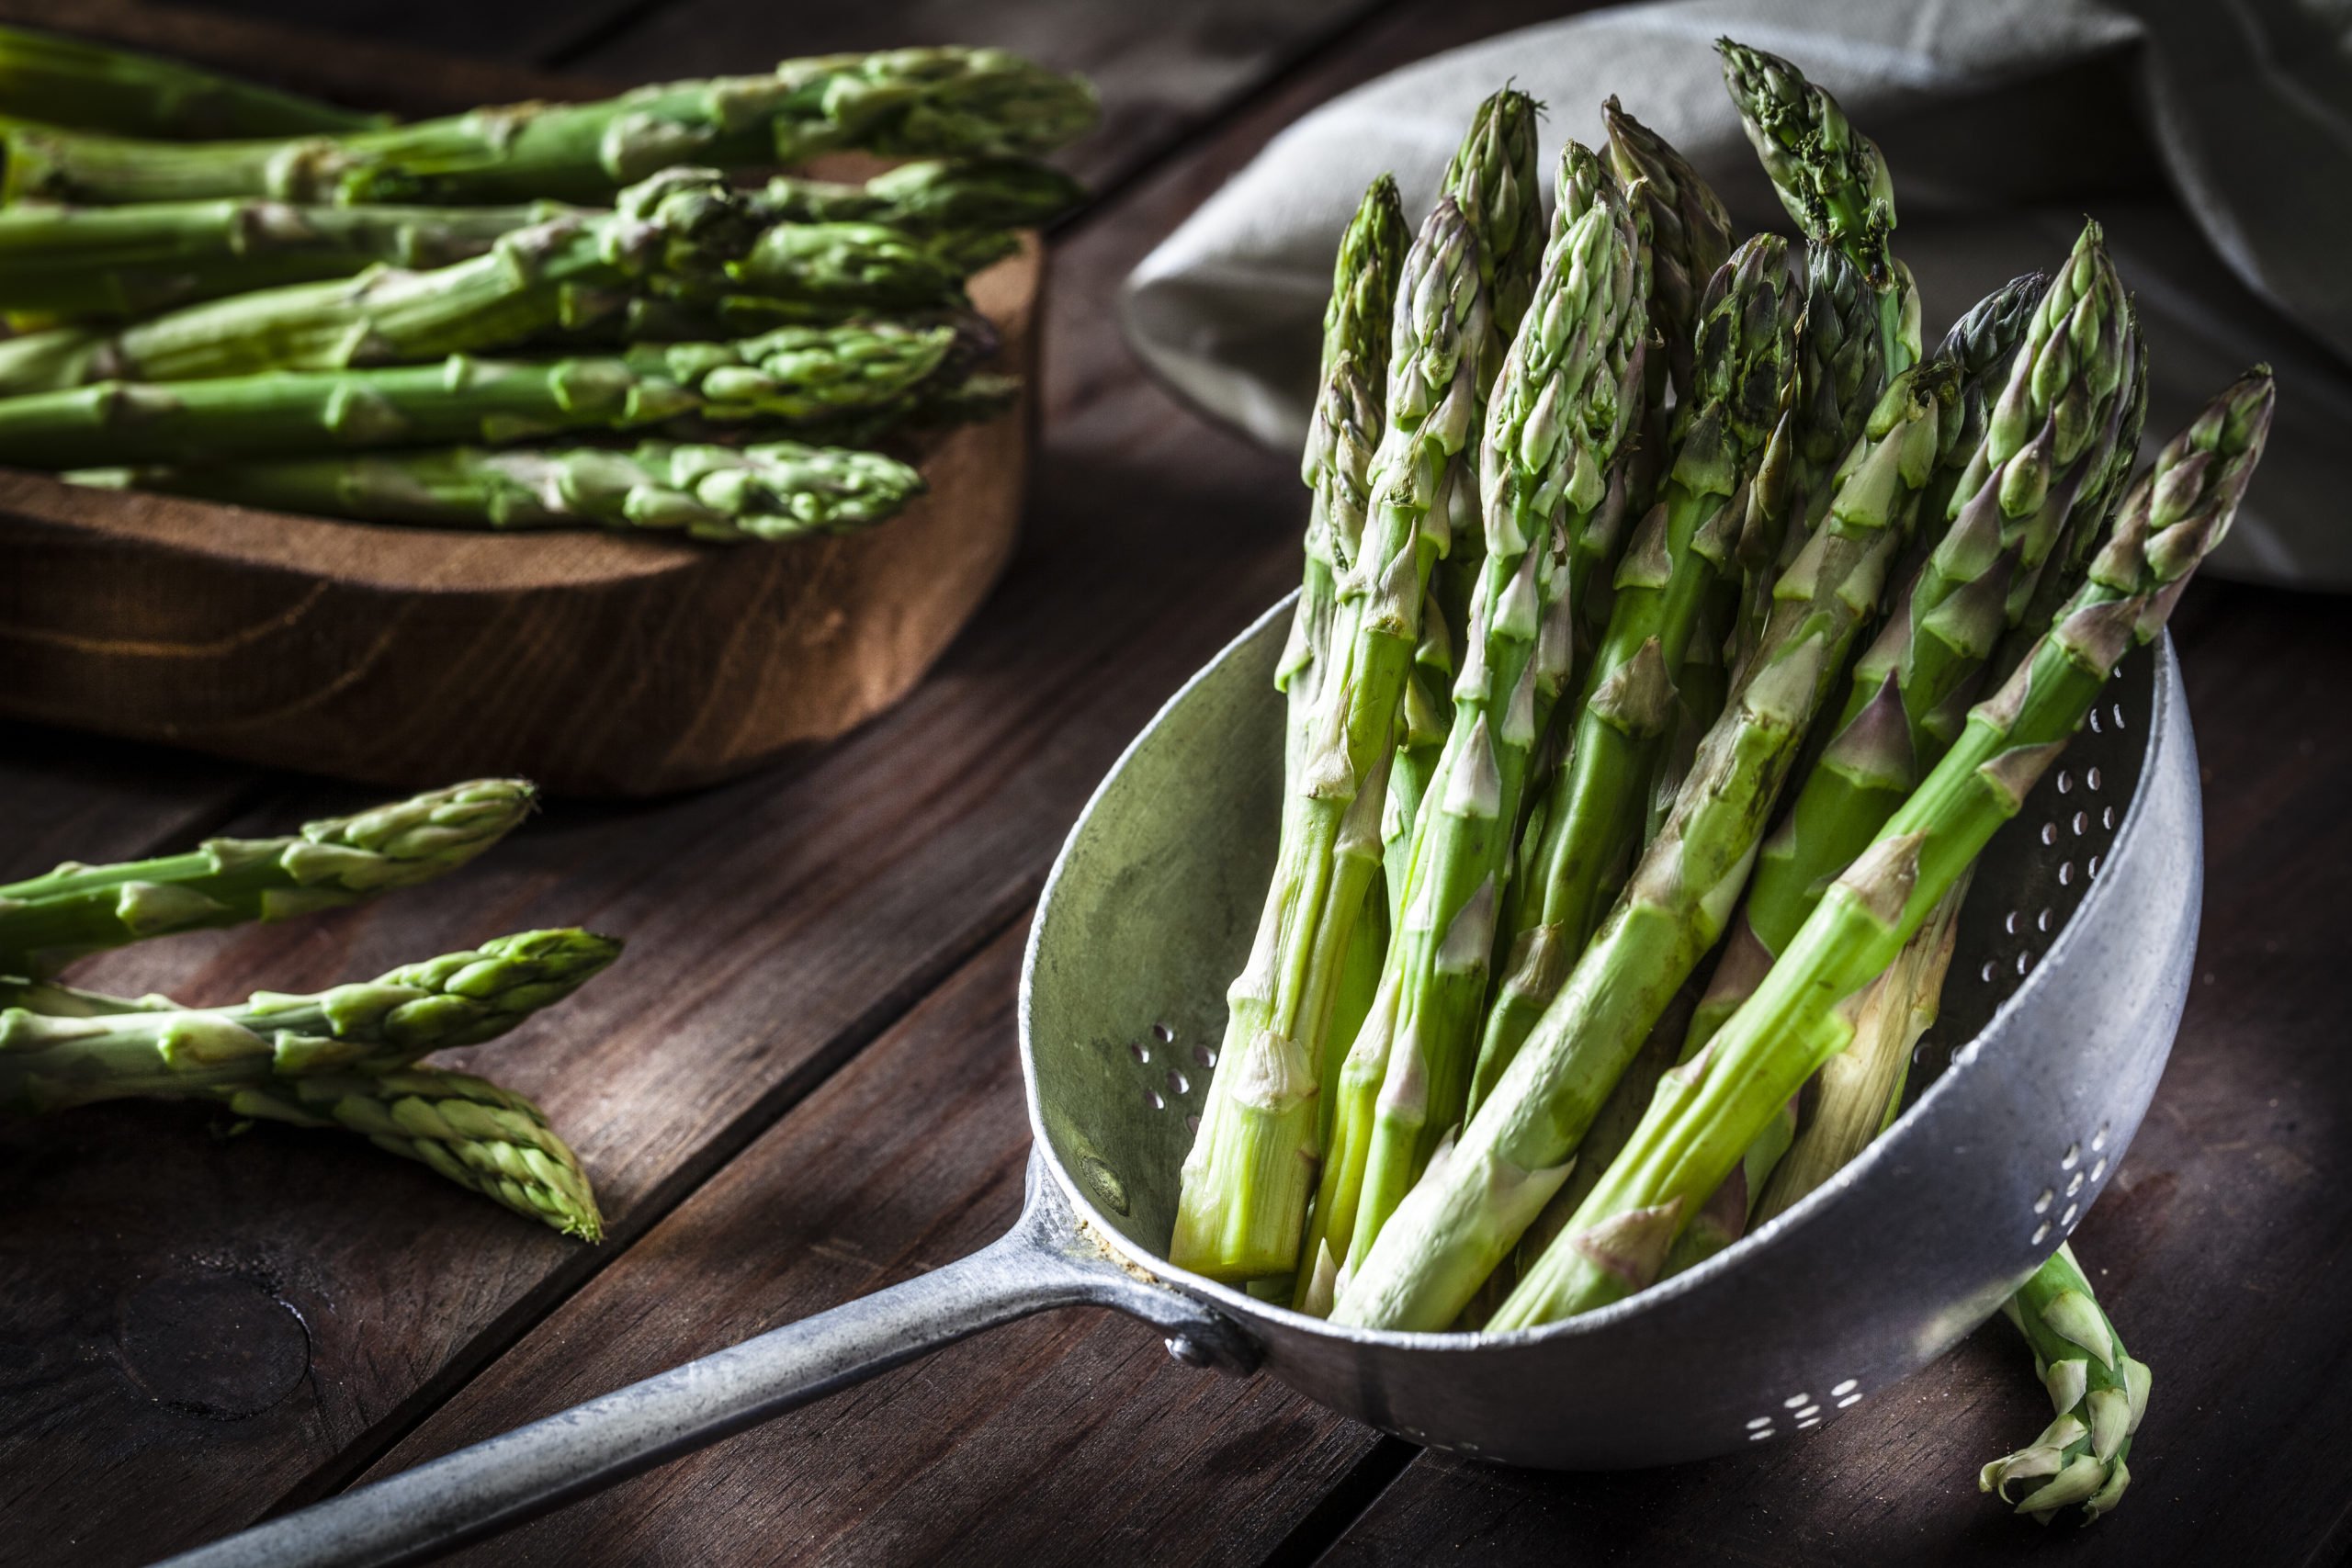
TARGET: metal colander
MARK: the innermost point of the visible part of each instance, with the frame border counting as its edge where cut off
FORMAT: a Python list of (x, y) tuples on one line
[(2071, 965)]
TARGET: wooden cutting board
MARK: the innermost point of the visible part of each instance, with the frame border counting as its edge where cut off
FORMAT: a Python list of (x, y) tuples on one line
[(594, 663)]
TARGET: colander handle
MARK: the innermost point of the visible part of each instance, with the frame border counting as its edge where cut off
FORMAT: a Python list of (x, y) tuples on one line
[(1043, 1262)]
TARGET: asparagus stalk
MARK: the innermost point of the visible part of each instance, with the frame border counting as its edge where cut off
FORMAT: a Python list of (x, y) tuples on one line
[(49, 1062), (1494, 179), (1692, 235), (681, 224), (1337, 463), (131, 260), (1832, 179), (1337, 469), (119, 261), (899, 103), (800, 374), (1251, 1168), (1710, 1110), (2099, 1392), (779, 490), (486, 1139), (84, 86), (1562, 403), (47, 921), (1468, 1210), (1593, 813)]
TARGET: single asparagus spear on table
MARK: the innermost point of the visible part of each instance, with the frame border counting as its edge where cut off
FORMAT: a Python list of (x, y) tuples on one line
[(778, 489), (486, 1139), (1463, 1217), (909, 102), (1711, 1108), (48, 920), (53, 1063), (801, 376), (84, 86), (1251, 1168), (1564, 401), (1832, 179), (1747, 366)]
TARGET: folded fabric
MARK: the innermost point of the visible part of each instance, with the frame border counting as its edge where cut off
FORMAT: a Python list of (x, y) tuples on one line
[(2213, 138)]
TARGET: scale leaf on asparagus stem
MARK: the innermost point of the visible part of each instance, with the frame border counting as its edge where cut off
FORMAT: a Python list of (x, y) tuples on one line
[(2099, 1395), (1708, 1111)]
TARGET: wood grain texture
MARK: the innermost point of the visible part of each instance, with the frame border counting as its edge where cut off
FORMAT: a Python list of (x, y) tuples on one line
[(2218, 1248), (1070, 1439), (596, 663)]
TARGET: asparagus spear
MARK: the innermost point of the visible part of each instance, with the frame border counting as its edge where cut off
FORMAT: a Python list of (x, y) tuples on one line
[(46, 920), (1563, 401), (800, 375), (1247, 1179), (779, 490), (1462, 1219), (1832, 179), (1593, 813), (2099, 1392), (682, 223), (90, 87), (126, 261), (1494, 179), (898, 103), (1338, 464), (114, 261), (50, 1063), (1337, 470), (1710, 1110), (486, 1139), (1691, 234)]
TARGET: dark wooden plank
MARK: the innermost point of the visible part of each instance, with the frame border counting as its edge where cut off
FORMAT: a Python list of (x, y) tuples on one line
[(512, 31), (65, 796), (1068, 1438), (1161, 69), (2219, 1248), (392, 73)]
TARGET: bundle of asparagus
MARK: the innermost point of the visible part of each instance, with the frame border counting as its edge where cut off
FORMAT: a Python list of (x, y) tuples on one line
[(188, 308), (1819, 477), (347, 1056)]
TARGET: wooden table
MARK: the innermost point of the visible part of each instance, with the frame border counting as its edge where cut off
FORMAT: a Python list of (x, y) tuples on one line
[(799, 1084)]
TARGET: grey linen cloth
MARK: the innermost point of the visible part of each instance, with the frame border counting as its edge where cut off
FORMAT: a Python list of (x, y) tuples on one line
[(2213, 138)]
